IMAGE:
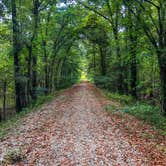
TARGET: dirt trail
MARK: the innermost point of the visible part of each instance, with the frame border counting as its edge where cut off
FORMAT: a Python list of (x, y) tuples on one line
[(73, 130)]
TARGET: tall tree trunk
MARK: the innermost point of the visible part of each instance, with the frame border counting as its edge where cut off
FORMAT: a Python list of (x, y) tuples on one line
[(94, 57), (34, 77), (29, 66), (45, 54), (46, 67), (132, 54), (163, 75), (4, 99), (34, 57), (162, 66), (120, 74), (133, 70), (52, 73), (19, 87), (161, 52), (102, 61), (58, 75), (126, 67), (114, 20)]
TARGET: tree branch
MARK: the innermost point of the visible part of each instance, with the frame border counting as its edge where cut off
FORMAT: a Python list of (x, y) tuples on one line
[(95, 11), (150, 2)]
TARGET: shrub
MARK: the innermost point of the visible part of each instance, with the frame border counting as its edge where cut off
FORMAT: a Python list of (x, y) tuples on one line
[(123, 99), (143, 111), (102, 81), (13, 157), (150, 114)]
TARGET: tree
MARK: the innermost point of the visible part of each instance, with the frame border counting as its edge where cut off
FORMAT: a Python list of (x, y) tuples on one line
[(152, 14), (19, 86)]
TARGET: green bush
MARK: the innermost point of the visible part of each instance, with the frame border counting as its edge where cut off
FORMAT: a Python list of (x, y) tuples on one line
[(143, 111), (123, 99), (102, 81), (150, 114), (109, 108), (40, 100), (13, 157), (66, 82)]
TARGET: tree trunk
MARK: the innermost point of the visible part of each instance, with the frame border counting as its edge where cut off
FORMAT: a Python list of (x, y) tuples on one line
[(162, 66), (19, 87), (133, 64), (59, 69), (4, 99), (163, 75), (34, 77), (133, 70), (52, 74), (102, 61), (34, 57), (120, 72), (46, 67), (29, 86), (94, 57)]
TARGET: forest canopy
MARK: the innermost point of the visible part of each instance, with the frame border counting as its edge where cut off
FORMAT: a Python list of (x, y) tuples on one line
[(47, 45)]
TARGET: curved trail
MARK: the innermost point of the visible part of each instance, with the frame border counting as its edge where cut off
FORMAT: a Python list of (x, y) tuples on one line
[(74, 130)]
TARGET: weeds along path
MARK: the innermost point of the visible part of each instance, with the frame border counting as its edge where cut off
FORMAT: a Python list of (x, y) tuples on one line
[(74, 130)]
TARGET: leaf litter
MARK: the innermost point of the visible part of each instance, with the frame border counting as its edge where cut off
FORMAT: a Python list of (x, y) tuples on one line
[(74, 130)]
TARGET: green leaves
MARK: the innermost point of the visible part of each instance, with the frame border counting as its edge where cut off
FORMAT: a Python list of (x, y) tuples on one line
[(149, 114)]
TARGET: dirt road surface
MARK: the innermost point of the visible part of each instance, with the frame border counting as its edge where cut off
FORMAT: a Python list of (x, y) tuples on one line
[(74, 130)]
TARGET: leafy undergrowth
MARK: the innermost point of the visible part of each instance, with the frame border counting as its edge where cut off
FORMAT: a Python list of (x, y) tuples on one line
[(13, 157), (150, 114), (139, 134), (12, 122), (143, 125), (147, 113), (123, 99)]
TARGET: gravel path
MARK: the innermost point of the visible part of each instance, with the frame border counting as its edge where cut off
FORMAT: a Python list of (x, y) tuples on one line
[(72, 130)]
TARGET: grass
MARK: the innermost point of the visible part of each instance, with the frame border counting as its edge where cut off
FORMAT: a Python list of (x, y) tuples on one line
[(147, 113), (14, 121)]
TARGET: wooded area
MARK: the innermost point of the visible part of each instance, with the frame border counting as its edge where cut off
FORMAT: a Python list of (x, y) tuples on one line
[(47, 45)]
